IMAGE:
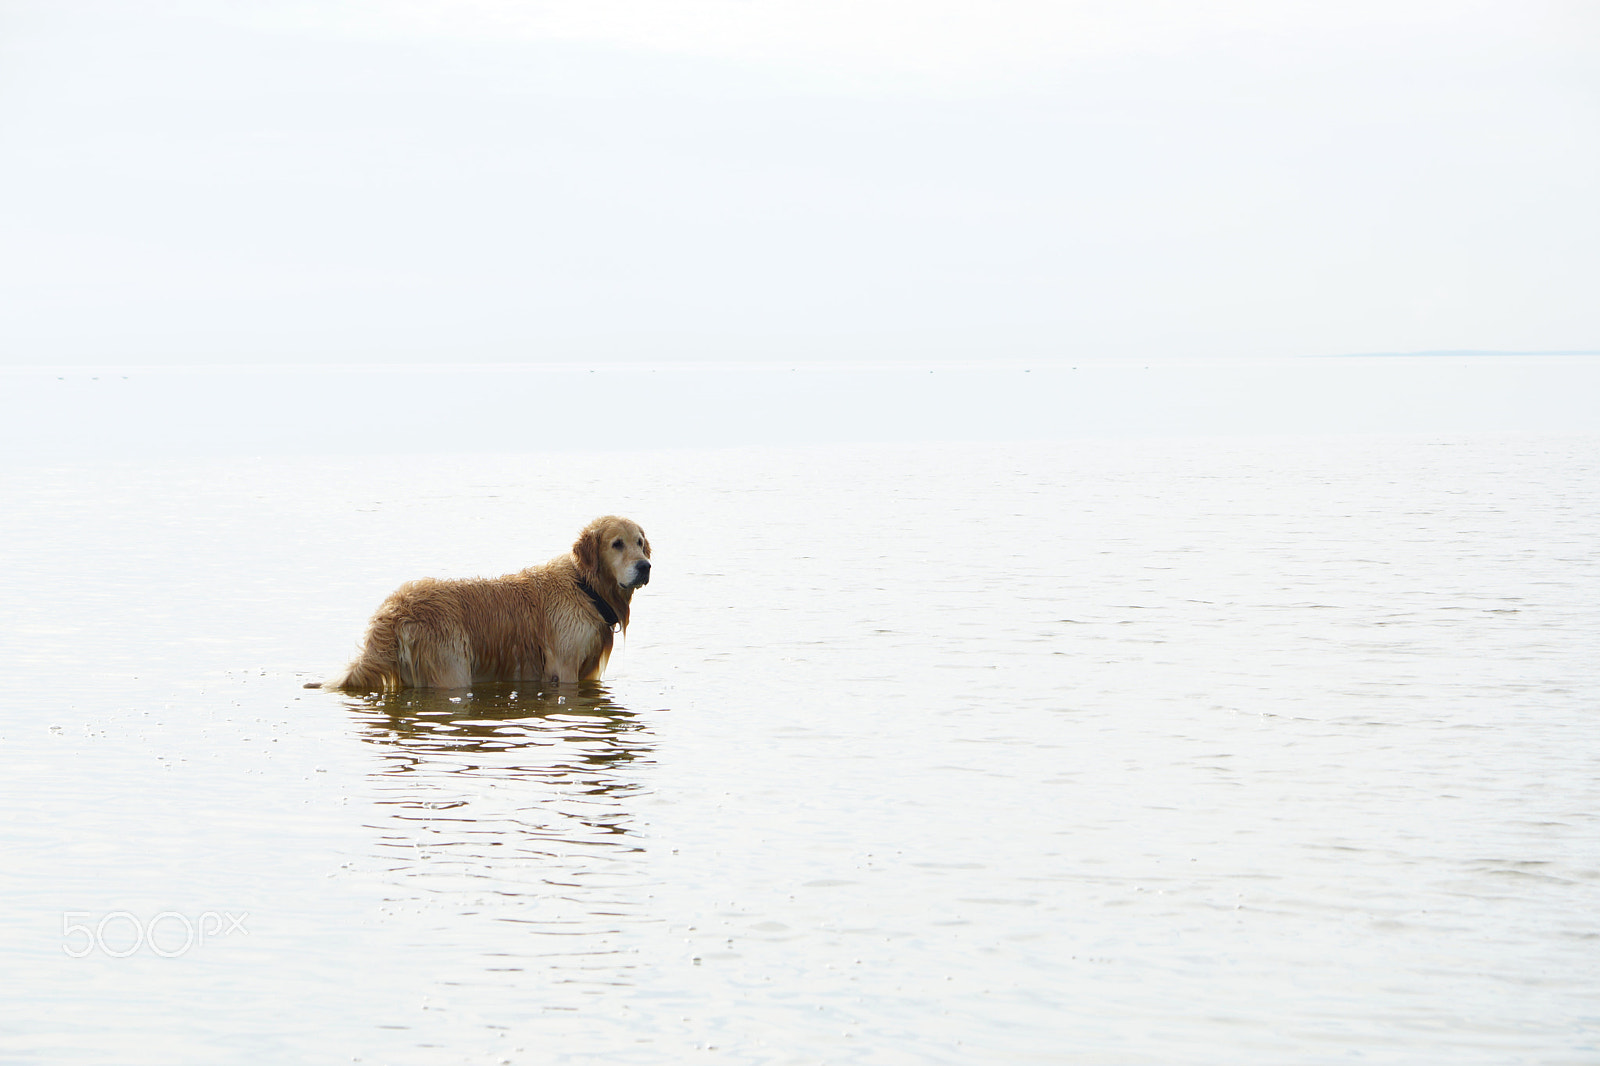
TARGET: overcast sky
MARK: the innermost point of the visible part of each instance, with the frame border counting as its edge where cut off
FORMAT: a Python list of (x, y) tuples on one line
[(237, 181)]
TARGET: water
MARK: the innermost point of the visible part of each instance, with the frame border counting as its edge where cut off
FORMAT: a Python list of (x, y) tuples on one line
[(1103, 749)]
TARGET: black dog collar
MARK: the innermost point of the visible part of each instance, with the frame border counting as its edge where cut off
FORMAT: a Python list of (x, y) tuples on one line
[(600, 605)]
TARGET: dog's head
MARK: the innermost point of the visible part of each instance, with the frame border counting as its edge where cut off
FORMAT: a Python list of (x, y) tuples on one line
[(615, 551)]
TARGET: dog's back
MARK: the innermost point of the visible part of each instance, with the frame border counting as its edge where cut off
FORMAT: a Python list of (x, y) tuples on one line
[(433, 633)]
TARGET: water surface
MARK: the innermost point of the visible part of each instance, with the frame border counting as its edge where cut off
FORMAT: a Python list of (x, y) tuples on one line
[(1135, 749)]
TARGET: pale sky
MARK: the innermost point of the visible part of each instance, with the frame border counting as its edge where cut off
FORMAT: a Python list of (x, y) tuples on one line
[(228, 181)]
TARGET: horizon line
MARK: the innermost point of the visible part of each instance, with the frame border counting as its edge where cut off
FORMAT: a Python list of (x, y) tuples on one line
[(882, 363)]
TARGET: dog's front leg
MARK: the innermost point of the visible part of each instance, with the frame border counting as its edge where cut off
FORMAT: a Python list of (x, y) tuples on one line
[(561, 671)]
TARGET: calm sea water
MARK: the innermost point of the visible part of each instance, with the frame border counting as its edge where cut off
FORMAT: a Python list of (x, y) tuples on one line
[(1076, 747)]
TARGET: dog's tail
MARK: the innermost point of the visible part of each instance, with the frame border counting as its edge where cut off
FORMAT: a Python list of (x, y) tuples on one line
[(377, 668), (363, 675)]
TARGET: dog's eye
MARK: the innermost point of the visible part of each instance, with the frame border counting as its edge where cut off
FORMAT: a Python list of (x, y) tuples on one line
[(616, 545)]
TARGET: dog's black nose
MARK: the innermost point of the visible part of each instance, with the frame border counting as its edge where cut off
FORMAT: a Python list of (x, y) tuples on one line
[(641, 572)]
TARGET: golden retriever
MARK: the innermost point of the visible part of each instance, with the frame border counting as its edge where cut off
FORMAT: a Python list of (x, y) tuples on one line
[(546, 623)]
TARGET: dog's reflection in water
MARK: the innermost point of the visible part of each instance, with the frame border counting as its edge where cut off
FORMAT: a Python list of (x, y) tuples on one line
[(505, 770)]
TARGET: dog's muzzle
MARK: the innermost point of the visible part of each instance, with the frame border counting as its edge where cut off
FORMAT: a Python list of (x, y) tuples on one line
[(641, 573)]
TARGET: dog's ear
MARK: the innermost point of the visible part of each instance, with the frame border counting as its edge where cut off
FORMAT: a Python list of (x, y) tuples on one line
[(646, 544), (586, 550)]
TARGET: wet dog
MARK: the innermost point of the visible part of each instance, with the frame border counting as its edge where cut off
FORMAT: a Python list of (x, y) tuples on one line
[(550, 623)]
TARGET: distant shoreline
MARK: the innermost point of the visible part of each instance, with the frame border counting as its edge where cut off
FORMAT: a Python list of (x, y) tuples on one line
[(753, 365), (1459, 352)]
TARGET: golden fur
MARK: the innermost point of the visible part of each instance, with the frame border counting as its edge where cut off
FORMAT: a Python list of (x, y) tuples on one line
[(535, 625)]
